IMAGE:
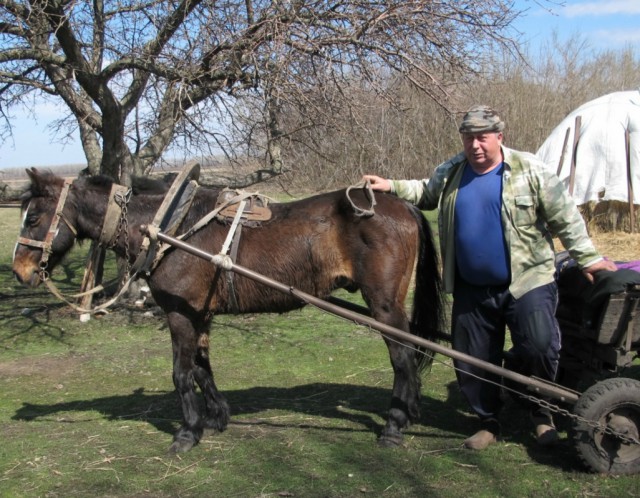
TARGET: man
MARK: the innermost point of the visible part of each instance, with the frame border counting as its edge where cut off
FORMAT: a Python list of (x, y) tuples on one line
[(498, 210)]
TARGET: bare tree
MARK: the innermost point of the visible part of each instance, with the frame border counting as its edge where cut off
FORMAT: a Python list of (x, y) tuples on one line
[(140, 76)]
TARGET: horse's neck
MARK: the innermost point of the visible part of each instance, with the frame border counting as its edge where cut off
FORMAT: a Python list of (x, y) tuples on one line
[(127, 239), (91, 209), (140, 211)]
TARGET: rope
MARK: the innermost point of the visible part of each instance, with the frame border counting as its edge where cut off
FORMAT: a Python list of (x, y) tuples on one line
[(368, 191)]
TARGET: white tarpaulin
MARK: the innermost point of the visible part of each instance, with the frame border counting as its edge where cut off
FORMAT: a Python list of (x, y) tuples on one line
[(601, 163)]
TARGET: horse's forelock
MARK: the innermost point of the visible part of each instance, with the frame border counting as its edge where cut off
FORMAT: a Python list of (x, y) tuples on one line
[(44, 183)]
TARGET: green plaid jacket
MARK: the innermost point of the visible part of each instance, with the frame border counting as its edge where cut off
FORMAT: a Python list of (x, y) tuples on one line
[(535, 208)]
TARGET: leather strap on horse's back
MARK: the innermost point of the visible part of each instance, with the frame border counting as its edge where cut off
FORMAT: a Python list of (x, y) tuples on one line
[(233, 242), (221, 206), (231, 280)]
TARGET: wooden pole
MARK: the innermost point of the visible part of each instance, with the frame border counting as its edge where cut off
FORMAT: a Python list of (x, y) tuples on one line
[(564, 150), (92, 277), (576, 139), (538, 386), (632, 214)]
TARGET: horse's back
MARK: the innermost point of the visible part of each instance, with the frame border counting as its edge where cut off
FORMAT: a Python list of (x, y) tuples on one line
[(316, 244)]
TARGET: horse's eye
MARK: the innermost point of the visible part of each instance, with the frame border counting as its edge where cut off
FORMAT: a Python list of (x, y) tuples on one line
[(32, 220)]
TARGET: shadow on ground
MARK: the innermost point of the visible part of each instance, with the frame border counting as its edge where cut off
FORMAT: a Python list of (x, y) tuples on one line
[(359, 405)]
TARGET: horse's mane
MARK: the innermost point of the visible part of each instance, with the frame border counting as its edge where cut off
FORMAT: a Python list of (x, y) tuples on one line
[(48, 181), (140, 185)]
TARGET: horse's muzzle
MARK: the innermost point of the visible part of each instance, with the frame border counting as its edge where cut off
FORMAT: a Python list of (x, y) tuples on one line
[(27, 274)]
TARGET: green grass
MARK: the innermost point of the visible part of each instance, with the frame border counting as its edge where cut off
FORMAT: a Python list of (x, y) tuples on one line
[(88, 409)]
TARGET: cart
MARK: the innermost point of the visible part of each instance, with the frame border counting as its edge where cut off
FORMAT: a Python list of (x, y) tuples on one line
[(605, 418)]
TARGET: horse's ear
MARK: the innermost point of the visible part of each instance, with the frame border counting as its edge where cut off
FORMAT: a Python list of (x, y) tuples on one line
[(44, 184), (32, 173)]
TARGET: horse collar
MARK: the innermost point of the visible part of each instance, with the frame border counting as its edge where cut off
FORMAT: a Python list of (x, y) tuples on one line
[(116, 211)]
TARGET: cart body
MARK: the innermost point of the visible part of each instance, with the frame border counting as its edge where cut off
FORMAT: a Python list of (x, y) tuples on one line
[(600, 325)]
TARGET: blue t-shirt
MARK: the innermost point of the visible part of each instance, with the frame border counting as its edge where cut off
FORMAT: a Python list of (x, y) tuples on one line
[(481, 252)]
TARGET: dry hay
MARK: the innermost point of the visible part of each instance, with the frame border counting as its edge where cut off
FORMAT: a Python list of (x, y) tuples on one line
[(609, 227), (618, 246), (610, 216)]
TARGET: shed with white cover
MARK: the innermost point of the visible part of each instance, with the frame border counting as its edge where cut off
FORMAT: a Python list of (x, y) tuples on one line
[(596, 152)]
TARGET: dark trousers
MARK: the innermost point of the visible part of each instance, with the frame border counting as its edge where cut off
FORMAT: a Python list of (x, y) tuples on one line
[(480, 316)]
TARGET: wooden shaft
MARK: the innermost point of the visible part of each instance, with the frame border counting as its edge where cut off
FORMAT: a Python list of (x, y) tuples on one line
[(538, 386)]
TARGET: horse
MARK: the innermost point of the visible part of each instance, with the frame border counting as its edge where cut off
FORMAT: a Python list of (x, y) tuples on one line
[(317, 244)]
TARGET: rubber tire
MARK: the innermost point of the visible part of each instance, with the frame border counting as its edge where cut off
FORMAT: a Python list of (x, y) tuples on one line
[(616, 397)]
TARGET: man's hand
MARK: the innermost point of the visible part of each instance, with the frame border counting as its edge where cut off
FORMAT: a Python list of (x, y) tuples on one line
[(605, 264), (378, 183)]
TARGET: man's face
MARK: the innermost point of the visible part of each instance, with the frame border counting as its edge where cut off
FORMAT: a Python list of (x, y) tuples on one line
[(482, 149)]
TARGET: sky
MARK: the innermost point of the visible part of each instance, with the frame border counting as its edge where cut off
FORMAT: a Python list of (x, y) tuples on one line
[(605, 24)]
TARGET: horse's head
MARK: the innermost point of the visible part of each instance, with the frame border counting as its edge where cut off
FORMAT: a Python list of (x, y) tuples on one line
[(47, 233)]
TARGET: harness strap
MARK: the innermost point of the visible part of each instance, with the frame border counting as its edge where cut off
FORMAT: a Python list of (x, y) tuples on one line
[(232, 228), (30, 242), (53, 229), (233, 240), (231, 276), (205, 220), (152, 231)]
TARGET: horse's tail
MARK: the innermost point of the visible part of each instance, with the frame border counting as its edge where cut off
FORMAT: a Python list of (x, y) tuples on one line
[(428, 317)]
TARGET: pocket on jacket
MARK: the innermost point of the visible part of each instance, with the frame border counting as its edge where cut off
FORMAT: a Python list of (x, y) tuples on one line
[(525, 214)]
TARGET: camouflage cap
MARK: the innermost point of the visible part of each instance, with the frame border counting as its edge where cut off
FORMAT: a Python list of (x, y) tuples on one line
[(481, 119)]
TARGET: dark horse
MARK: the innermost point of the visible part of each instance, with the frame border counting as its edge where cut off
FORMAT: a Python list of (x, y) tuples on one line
[(316, 245)]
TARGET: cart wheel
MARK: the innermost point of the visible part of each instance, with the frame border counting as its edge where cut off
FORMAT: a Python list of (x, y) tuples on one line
[(614, 403)]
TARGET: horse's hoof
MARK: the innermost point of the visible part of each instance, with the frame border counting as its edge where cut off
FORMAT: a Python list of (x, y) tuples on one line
[(215, 425), (180, 446), (389, 441)]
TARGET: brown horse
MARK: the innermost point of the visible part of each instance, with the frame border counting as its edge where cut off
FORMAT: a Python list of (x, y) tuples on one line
[(317, 245)]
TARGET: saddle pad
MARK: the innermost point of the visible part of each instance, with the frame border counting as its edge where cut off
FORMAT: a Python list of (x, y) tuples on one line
[(256, 208)]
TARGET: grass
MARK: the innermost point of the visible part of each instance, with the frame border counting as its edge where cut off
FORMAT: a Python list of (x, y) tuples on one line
[(88, 409)]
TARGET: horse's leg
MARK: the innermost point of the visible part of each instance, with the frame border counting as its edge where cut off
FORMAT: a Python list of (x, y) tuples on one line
[(217, 416), (405, 398), (191, 363), (387, 308)]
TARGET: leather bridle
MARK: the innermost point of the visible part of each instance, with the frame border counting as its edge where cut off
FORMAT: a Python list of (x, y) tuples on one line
[(47, 244)]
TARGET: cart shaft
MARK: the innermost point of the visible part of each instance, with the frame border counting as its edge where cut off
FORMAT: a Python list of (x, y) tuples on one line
[(535, 385)]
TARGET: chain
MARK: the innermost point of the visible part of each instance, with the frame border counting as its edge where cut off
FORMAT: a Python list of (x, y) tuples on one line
[(604, 429), (123, 229)]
